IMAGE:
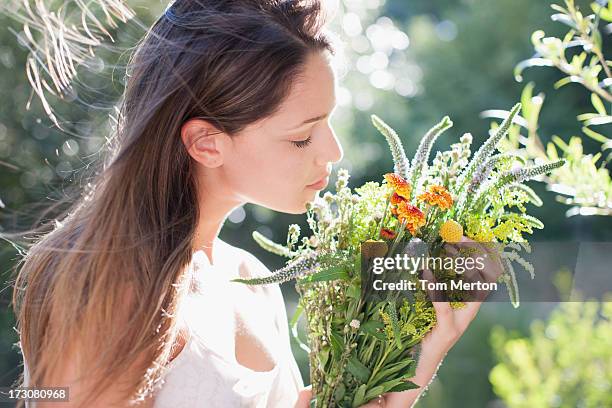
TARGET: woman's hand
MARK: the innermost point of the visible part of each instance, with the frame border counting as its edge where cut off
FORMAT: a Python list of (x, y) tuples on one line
[(452, 323), (450, 326)]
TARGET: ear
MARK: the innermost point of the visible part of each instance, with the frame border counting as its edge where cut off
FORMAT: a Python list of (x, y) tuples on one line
[(203, 142)]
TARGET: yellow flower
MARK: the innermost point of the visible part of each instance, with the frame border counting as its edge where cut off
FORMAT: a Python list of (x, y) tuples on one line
[(480, 230), (437, 195), (451, 231)]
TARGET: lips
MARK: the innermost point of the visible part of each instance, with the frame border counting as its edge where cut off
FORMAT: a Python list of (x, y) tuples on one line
[(321, 183)]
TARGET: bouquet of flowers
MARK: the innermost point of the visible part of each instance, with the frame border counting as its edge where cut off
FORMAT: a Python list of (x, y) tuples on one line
[(362, 344)]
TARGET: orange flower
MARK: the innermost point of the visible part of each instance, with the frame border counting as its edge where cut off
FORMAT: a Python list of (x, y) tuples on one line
[(386, 233), (437, 195), (401, 186), (396, 198), (411, 215)]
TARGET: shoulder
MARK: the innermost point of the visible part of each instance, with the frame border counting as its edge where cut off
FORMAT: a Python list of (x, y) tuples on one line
[(249, 265)]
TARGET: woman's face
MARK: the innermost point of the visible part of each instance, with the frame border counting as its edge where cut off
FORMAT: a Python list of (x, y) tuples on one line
[(282, 161)]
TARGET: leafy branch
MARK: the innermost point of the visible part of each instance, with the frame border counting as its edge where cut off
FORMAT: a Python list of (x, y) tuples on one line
[(585, 182)]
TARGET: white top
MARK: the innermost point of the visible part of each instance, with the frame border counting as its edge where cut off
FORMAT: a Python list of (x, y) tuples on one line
[(206, 372)]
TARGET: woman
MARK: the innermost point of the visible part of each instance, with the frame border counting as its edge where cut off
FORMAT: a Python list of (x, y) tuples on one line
[(226, 102)]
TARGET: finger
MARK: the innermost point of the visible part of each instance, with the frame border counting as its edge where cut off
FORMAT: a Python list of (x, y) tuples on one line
[(443, 310), (451, 250), (493, 267), (478, 293), (484, 269), (475, 274), (467, 313), (492, 270), (432, 294)]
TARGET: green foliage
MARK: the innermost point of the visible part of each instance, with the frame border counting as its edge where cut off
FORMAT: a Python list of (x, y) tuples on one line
[(585, 182), (565, 362)]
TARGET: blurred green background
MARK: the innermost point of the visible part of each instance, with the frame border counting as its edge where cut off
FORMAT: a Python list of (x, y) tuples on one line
[(411, 62)]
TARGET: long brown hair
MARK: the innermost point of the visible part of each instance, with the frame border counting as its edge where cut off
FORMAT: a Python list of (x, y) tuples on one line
[(126, 244)]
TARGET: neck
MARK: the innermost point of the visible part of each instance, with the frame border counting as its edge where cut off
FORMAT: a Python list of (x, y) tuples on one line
[(214, 207)]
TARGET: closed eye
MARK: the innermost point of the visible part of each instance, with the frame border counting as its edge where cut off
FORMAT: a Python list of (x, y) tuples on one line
[(302, 143)]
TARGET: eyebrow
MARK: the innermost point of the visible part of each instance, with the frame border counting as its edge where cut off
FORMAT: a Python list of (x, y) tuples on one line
[(311, 120)]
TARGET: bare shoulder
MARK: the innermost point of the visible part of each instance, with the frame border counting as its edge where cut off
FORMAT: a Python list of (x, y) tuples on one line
[(249, 266)]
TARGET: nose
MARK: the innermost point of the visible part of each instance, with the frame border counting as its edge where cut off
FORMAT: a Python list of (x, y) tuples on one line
[(331, 150)]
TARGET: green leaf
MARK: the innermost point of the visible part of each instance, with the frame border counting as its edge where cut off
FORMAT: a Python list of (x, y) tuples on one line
[(328, 274), (354, 292), (339, 393), (359, 397), (604, 13), (358, 369), (526, 103), (599, 120), (524, 218), (370, 327), (558, 8), (293, 324), (324, 356), (395, 371), (595, 135), (374, 392), (551, 151), (531, 62), (404, 386), (563, 81), (587, 116), (598, 104), (565, 19), (533, 221), (395, 325), (337, 344), (560, 143)]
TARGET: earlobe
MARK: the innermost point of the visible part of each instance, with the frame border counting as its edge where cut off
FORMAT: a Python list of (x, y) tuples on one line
[(202, 142)]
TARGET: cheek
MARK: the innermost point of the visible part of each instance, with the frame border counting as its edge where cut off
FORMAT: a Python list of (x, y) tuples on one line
[(274, 177)]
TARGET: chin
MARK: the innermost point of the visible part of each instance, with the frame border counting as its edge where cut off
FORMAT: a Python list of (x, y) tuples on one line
[(296, 206), (286, 208), (301, 209)]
